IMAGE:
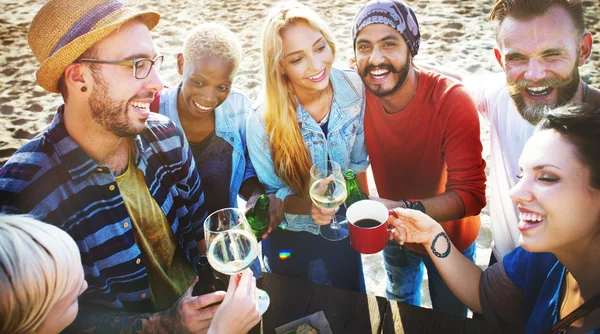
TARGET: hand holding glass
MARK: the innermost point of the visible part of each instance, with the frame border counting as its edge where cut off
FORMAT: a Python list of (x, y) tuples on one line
[(328, 190), (232, 247)]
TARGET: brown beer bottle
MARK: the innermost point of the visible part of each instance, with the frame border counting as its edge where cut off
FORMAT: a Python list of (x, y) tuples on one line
[(207, 281)]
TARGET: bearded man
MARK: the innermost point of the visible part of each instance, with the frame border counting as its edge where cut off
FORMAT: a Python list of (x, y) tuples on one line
[(541, 45), (422, 135), (119, 179)]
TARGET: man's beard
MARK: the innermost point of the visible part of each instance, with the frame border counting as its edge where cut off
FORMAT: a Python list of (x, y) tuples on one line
[(110, 114), (566, 89), (378, 90)]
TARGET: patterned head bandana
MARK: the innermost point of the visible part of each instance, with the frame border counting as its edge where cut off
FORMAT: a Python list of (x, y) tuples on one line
[(393, 13)]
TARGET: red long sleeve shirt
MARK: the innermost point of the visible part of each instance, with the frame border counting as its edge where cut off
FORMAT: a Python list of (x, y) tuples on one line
[(429, 147)]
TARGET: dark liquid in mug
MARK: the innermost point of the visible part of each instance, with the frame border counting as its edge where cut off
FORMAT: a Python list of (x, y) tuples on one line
[(366, 223)]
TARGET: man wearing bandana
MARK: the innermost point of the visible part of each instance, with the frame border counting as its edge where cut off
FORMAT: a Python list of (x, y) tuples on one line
[(422, 135)]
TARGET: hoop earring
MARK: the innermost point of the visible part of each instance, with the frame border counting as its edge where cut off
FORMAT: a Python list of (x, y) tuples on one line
[(84, 89)]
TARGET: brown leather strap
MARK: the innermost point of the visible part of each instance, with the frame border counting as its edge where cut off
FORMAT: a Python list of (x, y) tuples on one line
[(564, 323), (586, 95)]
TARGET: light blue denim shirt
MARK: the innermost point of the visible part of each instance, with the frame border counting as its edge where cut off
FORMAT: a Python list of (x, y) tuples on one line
[(230, 124), (345, 141)]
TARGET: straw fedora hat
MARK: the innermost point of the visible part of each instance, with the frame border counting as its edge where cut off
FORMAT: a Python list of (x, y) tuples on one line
[(63, 30)]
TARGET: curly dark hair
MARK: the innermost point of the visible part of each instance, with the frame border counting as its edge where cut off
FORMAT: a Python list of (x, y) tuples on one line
[(580, 126)]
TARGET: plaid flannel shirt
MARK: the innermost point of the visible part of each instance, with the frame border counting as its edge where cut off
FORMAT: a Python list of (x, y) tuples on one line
[(54, 180)]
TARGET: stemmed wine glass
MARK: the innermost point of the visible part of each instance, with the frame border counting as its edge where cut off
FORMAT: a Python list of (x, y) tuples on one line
[(328, 190), (232, 247)]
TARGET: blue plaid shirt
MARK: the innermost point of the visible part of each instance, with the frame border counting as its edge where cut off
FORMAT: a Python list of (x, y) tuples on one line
[(53, 179)]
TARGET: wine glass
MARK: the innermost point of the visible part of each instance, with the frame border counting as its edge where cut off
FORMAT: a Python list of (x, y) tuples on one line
[(328, 190), (232, 247)]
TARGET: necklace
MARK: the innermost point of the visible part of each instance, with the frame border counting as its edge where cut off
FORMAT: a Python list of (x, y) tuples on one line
[(329, 103)]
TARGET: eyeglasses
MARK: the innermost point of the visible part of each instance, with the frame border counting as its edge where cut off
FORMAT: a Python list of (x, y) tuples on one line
[(141, 67)]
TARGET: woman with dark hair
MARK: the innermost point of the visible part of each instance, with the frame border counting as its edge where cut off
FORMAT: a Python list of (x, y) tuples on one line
[(551, 282)]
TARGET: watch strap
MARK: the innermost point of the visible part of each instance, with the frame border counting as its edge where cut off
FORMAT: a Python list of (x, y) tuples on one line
[(415, 204), (405, 203)]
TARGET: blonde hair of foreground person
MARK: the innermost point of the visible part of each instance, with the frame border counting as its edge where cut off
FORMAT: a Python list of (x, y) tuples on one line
[(39, 266), (291, 158)]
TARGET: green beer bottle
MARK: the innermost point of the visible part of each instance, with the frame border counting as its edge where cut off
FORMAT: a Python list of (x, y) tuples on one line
[(258, 217), (355, 194)]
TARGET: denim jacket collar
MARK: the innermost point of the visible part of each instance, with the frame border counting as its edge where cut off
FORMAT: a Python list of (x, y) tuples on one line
[(223, 125), (230, 125), (344, 143), (345, 96)]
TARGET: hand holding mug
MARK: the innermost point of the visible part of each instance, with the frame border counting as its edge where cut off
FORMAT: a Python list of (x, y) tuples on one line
[(413, 226), (368, 226)]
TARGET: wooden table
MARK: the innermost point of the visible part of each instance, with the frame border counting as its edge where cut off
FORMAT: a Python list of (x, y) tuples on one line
[(352, 312)]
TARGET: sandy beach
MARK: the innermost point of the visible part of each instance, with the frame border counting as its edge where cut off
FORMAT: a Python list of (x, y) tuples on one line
[(456, 36)]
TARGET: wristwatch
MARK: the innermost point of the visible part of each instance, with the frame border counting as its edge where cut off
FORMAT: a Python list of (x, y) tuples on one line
[(414, 204)]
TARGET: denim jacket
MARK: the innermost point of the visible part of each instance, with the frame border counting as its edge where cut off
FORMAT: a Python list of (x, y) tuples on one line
[(345, 141), (230, 124)]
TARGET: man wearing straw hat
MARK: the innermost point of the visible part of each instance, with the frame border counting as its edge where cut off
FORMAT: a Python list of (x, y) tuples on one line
[(119, 179)]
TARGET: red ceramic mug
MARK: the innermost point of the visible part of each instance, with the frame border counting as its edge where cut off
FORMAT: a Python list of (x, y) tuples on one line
[(367, 222)]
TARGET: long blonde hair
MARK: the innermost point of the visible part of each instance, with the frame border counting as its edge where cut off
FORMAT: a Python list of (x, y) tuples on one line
[(39, 265), (291, 158)]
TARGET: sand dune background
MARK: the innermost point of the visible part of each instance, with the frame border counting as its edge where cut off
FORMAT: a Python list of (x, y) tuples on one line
[(456, 36)]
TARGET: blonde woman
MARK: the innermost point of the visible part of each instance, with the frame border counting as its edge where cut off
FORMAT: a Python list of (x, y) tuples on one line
[(40, 276), (310, 112)]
